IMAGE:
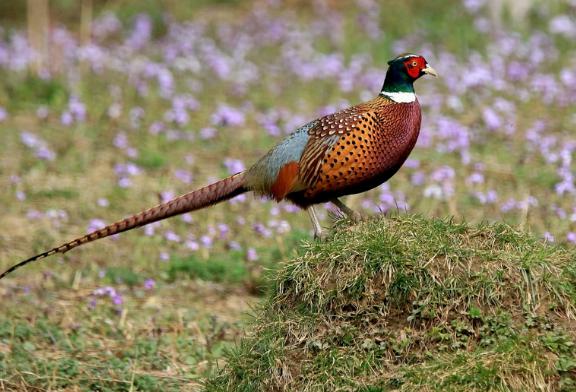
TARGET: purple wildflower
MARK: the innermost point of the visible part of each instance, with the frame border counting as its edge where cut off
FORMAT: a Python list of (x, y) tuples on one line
[(491, 119), (117, 299), (149, 284), (251, 254), (234, 245), (136, 115), (141, 33), (434, 191), (192, 245), (238, 199), (66, 118), (105, 25), (489, 197), (208, 133), (206, 241), (131, 152), (418, 178), (183, 175), (412, 163), (166, 196), (442, 174), (110, 292), (187, 218), (95, 224), (291, 208), (39, 146), (77, 109), (29, 139), (282, 227), (150, 229), (124, 182), (34, 215), (517, 71), (171, 236), (270, 123), (223, 230), (45, 153), (474, 5), (234, 165), (127, 169), (475, 178), (121, 141), (156, 127), (228, 116), (57, 215), (508, 205), (563, 25)]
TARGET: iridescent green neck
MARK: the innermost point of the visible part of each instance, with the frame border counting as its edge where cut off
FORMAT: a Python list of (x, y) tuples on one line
[(398, 86), (397, 82)]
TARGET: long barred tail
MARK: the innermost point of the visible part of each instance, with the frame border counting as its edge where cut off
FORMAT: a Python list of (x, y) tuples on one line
[(214, 193)]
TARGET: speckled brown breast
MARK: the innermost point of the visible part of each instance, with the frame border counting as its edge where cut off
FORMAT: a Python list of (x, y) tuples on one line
[(367, 146)]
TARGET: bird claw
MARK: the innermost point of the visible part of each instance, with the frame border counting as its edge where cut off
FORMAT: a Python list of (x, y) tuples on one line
[(321, 237), (356, 217)]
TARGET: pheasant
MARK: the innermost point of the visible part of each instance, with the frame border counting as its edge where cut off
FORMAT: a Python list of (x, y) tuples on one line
[(347, 152)]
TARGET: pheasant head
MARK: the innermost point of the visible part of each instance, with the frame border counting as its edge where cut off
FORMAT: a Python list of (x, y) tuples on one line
[(404, 70)]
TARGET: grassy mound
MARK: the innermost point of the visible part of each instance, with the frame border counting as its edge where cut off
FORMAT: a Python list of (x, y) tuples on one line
[(406, 303)]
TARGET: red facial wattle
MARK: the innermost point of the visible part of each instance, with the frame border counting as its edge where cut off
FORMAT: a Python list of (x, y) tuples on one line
[(414, 66)]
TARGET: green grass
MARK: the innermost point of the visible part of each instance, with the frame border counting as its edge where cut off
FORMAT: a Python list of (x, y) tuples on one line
[(145, 347), (231, 270), (409, 303)]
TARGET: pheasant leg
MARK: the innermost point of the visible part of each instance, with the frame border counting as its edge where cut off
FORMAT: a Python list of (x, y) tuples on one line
[(315, 223), (350, 213)]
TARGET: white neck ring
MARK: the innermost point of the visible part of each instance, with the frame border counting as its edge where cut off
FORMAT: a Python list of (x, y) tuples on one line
[(400, 97)]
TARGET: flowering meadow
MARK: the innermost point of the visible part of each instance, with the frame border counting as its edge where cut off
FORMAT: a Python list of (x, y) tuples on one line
[(164, 99)]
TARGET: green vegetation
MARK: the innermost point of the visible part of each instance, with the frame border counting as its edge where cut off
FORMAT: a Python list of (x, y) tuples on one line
[(164, 99), (159, 340), (411, 304)]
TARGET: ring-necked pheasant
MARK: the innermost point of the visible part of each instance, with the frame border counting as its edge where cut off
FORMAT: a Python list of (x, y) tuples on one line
[(347, 152)]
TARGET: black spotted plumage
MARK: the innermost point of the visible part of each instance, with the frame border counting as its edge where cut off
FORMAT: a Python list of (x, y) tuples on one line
[(374, 140)]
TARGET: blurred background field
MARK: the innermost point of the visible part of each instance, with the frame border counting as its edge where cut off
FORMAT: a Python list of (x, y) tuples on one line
[(108, 107)]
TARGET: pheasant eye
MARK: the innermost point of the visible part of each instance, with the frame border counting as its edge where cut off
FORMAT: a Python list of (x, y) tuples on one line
[(414, 63)]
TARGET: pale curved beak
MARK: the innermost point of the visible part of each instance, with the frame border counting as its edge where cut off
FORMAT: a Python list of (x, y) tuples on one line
[(430, 71)]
